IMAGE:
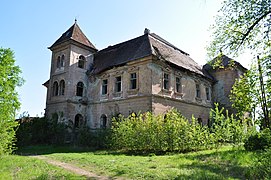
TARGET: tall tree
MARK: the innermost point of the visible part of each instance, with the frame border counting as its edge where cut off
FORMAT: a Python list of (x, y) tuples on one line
[(242, 25), (9, 102)]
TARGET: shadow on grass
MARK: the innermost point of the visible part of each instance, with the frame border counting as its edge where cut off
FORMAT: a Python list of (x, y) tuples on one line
[(216, 165), (50, 149)]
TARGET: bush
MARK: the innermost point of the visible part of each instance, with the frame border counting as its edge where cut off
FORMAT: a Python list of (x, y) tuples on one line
[(149, 133), (259, 141), (37, 130), (98, 138)]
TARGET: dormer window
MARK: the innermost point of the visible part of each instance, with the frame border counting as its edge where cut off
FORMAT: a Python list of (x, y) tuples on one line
[(81, 62)]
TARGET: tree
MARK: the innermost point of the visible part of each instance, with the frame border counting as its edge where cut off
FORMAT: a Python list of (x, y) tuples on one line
[(246, 25), (242, 88), (9, 102)]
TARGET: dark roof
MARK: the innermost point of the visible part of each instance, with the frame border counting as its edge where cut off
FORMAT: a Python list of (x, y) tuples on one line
[(76, 34), (143, 46), (224, 62)]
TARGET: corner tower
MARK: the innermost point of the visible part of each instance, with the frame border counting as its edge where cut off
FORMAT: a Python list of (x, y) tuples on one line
[(72, 55)]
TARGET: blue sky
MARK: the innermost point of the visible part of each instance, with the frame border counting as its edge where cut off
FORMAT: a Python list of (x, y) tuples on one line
[(28, 27)]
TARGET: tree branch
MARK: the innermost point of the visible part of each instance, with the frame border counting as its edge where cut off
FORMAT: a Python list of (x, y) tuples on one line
[(252, 27)]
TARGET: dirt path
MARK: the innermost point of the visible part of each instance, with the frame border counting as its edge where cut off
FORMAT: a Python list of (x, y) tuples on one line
[(71, 168)]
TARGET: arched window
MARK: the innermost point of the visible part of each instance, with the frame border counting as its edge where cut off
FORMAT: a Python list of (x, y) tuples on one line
[(103, 122), (79, 89), (58, 62), (78, 121), (81, 62), (62, 62), (62, 87), (55, 89)]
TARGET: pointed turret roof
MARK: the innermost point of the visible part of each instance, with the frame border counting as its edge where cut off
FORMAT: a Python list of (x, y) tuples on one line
[(76, 34)]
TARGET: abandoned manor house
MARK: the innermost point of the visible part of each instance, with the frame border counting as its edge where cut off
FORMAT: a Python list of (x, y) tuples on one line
[(147, 73)]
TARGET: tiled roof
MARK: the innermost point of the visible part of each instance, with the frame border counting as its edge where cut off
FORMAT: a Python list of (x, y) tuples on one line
[(143, 46), (76, 34), (224, 61)]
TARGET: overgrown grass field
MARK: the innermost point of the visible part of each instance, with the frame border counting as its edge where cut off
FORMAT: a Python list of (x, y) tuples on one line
[(224, 163)]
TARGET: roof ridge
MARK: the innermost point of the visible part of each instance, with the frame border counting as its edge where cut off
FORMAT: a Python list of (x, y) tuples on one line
[(167, 43)]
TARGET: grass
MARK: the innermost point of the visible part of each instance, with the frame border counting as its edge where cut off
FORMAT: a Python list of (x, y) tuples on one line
[(22, 167), (225, 163)]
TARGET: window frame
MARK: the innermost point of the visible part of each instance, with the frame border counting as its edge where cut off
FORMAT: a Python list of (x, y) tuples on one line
[(104, 90), (198, 91), (55, 88), (118, 84), (208, 93), (178, 85), (58, 62), (166, 81), (62, 87), (103, 121), (133, 81), (81, 62), (80, 89), (62, 61)]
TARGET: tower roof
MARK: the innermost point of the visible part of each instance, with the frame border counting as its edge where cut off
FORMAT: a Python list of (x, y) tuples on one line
[(76, 34)]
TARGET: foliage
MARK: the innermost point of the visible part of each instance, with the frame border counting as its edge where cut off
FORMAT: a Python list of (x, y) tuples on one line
[(9, 102), (242, 25), (246, 25), (259, 141), (98, 138), (149, 133), (244, 94), (33, 131), (173, 132), (261, 168)]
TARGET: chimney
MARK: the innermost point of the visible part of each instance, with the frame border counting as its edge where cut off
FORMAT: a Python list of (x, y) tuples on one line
[(147, 31)]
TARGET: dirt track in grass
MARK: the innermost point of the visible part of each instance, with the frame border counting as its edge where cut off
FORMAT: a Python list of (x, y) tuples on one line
[(71, 168)]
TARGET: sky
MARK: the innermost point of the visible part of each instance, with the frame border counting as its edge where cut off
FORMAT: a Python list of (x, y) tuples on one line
[(29, 27)]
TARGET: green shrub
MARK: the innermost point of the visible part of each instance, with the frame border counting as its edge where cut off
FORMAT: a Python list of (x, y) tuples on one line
[(261, 168), (98, 138), (37, 130), (225, 128), (149, 133), (259, 141)]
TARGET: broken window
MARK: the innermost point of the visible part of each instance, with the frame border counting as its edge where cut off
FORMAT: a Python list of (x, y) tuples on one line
[(197, 90), (104, 86), (166, 81), (58, 62), (78, 121), (79, 89), (55, 89), (207, 89), (62, 87), (178, 85), (103, 122), (118, 84), (81, 62), (133, 81)]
